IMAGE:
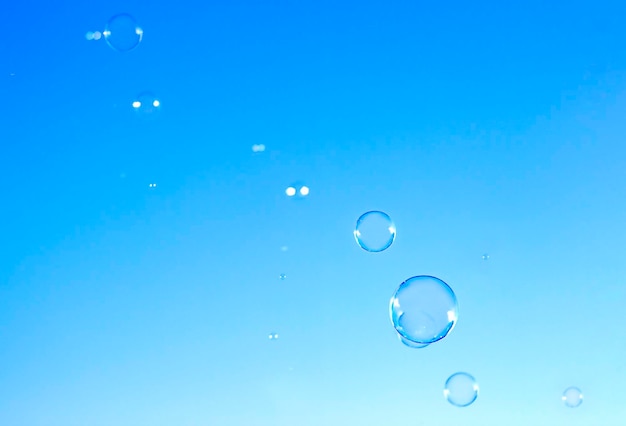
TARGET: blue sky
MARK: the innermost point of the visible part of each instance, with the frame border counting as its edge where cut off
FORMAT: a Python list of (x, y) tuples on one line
[(478, 127)]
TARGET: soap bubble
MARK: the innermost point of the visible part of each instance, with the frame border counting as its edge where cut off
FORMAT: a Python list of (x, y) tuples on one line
[(572, 397), (374, 231), (297, 190), (122, 33), (146, 104), (423, 309), (461, 389)]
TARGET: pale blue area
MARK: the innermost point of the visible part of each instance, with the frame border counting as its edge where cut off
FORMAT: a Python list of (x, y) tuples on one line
[(479, 127)]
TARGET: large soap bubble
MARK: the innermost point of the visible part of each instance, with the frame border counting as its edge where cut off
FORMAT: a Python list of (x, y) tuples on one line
[(424, 309), (123, 33), (572, 397)]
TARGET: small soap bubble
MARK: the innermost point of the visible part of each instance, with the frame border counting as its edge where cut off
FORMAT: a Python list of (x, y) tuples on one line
[(146, 104), (123, 33), (572, 397), (375, 231), (93, 35), (461, 389), (424, 309), (273, 336), (297, 191)]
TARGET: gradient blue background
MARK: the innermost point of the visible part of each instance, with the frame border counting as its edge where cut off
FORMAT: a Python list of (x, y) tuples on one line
[(480, 127)]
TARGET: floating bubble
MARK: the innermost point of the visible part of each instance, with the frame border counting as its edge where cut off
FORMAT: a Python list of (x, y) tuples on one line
[(411, 344), (273, 336), (93, 35), (461, 389), (572, 397), (423, 309), (297, 191), (375, 231), (146, 104), (122, 33), (282, 276)]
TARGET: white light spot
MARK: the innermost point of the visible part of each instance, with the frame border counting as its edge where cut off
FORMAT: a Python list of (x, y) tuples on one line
[(156, 103), (451, 316), (304, 191), (291, 191), (136, 104)]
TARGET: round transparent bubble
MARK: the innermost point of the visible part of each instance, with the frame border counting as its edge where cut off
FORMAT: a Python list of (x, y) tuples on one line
[(411, 344), (122, 33), (461, 389), (424, 309), (572, 397), (375, 231), (147, 105)]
